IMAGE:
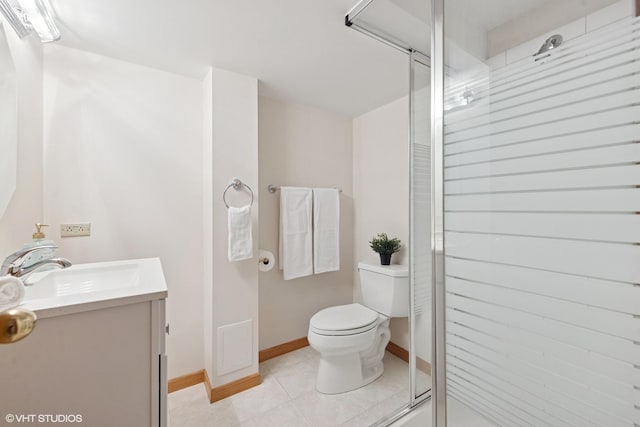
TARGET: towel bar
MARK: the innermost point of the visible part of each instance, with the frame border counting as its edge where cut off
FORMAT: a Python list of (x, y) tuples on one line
[(272, 188)]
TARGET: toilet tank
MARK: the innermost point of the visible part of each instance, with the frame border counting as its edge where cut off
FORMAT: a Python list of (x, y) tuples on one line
[(385, 288)]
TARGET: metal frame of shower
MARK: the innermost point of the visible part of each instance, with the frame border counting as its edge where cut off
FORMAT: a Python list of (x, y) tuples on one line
[(349, 21), (438, 303), (424, 59)]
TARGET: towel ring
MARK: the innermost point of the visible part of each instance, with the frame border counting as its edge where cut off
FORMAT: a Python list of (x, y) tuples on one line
[(237, 185)]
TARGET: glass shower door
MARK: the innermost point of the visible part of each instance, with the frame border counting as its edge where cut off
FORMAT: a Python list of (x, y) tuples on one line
[(420, 212), (541, 182), (403, 25)]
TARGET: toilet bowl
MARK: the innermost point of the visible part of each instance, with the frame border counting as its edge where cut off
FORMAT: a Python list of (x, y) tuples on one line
[(351, 353), (352, 338)]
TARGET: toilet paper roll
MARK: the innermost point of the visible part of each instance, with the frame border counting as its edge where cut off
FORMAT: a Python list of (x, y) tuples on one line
[(266, 260)]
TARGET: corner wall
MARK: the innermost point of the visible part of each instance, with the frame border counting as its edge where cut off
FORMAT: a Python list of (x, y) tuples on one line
[(302, 146), (230, 150), (122, 150)]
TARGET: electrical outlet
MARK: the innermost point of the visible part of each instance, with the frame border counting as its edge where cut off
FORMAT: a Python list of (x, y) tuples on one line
[(75, 230)]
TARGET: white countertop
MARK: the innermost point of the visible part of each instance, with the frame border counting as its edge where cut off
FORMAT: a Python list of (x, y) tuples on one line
[(85, 287)]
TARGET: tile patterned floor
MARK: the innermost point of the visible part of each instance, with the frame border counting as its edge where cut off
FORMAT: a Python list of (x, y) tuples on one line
[(458, 415), (287, 398)]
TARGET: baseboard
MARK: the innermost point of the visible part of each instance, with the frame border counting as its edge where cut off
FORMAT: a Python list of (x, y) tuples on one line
[(226, 390), (423, 365), (403, 354), (279, 350), (398, 351), (207, 385), (229, 389), (185, 381)]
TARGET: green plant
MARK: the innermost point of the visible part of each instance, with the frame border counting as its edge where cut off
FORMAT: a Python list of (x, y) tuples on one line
[(383, 245)]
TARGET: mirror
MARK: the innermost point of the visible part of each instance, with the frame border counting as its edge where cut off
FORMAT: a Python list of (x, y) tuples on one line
[(8, 123)]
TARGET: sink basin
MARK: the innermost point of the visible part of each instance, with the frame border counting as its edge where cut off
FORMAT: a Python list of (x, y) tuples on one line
[(95, 283), (79, 280)]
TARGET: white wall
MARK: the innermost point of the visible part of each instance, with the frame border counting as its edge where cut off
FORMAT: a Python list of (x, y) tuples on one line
[(230, 149), (381, 189), (545, 20), (25, 207), (506, 39), (122, 150), (302, 146), (8, 124)]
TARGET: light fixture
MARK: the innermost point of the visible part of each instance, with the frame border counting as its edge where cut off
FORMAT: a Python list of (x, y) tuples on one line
[(14, 18), (29, 15)]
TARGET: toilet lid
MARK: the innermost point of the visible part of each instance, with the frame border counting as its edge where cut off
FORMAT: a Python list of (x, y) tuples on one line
[(348, 319)]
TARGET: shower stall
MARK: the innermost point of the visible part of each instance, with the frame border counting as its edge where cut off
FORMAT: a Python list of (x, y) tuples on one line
[(524, 201)]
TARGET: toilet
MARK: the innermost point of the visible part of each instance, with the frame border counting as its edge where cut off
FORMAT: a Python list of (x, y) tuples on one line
[(352, 338)]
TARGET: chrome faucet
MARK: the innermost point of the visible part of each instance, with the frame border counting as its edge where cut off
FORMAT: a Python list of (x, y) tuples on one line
[(14, 263)]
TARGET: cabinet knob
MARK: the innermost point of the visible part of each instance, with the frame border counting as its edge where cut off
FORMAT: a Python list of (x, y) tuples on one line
[(15, 324)]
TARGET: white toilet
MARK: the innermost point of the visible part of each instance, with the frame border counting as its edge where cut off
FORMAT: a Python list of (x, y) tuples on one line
[(351, 338)]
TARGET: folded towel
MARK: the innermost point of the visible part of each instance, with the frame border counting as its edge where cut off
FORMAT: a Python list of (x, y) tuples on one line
[(240, 238), (326, 230), (11, 292), (295, 247)]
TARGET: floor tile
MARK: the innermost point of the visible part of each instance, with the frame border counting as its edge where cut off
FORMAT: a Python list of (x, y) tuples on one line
[(290, 358), (299, 378), (324, 410), (195, 394), (287, 398), (281, 416), (257, 400), (377, 412), (196, 414), (379, 390)]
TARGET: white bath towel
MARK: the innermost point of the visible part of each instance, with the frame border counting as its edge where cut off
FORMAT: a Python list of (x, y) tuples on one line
[(11, 292), (295, 248), (326, 230), (240, 238)]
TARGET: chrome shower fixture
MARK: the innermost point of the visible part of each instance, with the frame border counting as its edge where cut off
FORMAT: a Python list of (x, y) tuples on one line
[(551, 43), (25, 16)]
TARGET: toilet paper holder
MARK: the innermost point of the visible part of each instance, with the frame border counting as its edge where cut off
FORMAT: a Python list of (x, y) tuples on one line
[(266, 261)]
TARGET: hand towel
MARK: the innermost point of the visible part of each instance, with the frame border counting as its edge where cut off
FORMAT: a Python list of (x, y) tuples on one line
[(11, 292), (295, 247), (240, 238), (326, 230)]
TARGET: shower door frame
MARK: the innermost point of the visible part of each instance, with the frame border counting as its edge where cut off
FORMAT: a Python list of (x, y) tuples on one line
[(415, 399), (438, 303), (414, 56)]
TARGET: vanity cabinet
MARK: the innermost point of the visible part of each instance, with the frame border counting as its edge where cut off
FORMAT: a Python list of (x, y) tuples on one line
[(105, 363), (107, 366)]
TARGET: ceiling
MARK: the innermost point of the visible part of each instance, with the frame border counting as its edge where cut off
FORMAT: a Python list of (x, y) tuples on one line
[(300, 50)]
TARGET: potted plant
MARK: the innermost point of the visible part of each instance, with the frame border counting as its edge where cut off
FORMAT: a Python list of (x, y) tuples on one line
[(385, 247)]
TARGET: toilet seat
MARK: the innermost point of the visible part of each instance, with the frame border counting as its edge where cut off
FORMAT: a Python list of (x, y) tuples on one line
[(341, 320)]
